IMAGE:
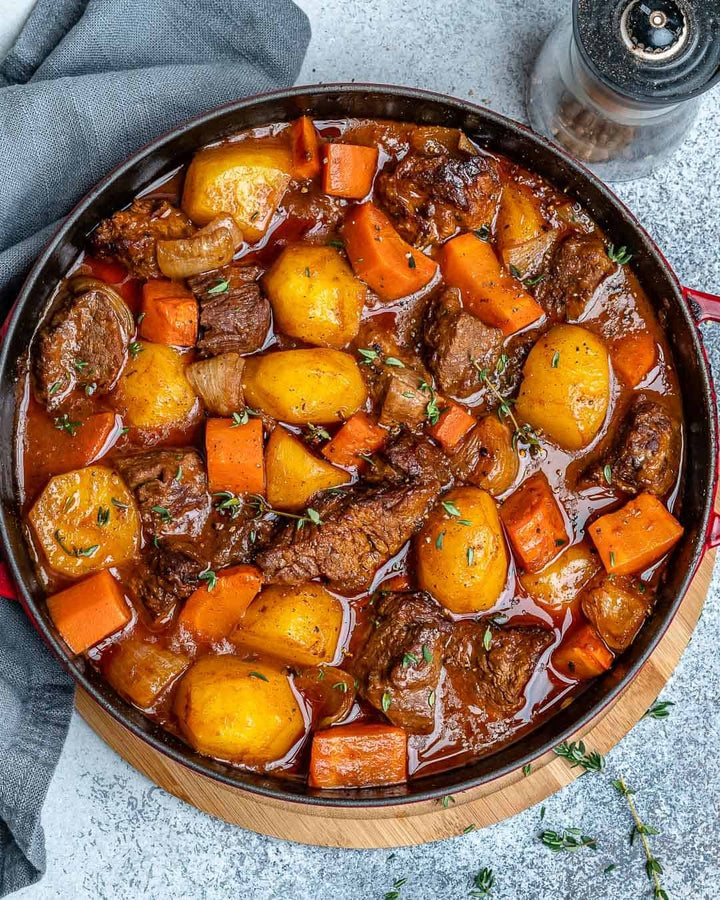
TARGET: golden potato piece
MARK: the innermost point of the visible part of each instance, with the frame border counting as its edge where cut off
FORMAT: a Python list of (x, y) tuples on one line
[(293, 473), (244, 712), (142, 671), (299, 624), (561, 581), (519, 218), (246, 180), (461, 555), (304, 386), (153, 391), (565, 390), (498, 464), (315, 296), (86, 520)]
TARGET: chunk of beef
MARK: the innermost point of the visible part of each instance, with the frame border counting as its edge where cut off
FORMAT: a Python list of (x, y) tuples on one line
[(171, 490), (646, 455), (578, 267), (84, 345), (432, 197), (234, 320), (404, 402), (131, 235), (457, 341), (617, 605)]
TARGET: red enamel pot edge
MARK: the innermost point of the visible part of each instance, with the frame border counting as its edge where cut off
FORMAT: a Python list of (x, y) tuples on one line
[(506, 137)]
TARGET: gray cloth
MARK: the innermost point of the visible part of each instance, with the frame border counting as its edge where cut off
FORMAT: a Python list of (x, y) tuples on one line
[(87, 83)]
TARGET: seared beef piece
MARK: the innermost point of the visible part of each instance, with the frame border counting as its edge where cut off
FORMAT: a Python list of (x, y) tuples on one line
[(84, 345), (456, 340), (646, 455), (362, 527), (404, 403), (235, 320), (130, 235), (413, 643), (578, 266), (617, 605), (171, 490), (432, 197)]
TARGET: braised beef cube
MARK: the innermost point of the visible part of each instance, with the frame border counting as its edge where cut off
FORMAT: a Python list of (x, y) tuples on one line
[(171, 490), (234, 313), (405, 403), (430, 198), (578, 267), (617, 605), (131, 235), (168, 573), (84, 345), (458, 345)]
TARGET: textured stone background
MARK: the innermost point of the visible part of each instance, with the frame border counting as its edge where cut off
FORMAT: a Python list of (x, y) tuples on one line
[(112, 834)]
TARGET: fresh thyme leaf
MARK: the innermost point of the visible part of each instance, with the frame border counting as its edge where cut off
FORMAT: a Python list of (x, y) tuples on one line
[(570, 839), (576, 755), (209, 577), (487, 638), (427, 653), (135, 349), (386, 701), (339, 244), (502, 362), (63, 423), (439, 540), (469, 828), (141, 317), (483, 883), (54, 388), (163, 512), (450, 508), (314, 516), (542, 813), (411, 261), (431, 699), (257, 674), (515, 272), (178, 474), (660, 710), (61, 541), (526, 769), (482, 233), (340, 686), (317, 431), (75, 551), (368, 355), (607, 473), (409, 659), (446, 801), (609, 869), (80, 365), (555, 359), (220, 288), (116, 502), (533, 281), (621, 256), (86, 551), (307, 271), (612, 558), (103, 516), (470, 554), (240, 418), (394, 361), (90, 389), (125, 429), (321, 674)]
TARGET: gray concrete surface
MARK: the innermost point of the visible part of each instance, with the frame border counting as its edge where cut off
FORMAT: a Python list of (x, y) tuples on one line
[(112, 834)]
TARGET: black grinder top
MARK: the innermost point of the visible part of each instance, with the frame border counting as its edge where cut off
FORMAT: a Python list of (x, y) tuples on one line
[(651, 51)]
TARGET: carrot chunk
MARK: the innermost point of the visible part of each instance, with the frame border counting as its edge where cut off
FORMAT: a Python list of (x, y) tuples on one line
[(211, 613), (89, 611), (488, 291), (634, 356), (452, 426), (582, 654), (359, 436), (534, 523), (348, 170), (381, 258), (169, 314), (235, 456), (358, 756), (635, 536), (305, 148), (106, 270)]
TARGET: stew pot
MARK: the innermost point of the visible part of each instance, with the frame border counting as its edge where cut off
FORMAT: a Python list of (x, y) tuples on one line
[(678, 310)]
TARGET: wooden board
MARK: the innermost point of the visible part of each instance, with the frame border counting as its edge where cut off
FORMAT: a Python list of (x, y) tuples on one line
[(414, 823)]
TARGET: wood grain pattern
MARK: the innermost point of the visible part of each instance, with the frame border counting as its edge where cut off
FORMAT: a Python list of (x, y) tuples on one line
[(416, 823)]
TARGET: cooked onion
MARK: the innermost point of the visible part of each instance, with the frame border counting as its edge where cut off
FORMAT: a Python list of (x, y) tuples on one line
[(218, 381), (210, 247), (323, 687), (529, 256)]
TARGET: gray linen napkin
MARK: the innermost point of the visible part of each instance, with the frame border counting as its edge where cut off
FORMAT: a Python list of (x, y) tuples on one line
[(87, 83)]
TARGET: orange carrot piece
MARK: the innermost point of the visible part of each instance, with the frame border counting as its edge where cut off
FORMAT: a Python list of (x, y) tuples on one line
[(635, 536), (381, 258), (452, 426), (305, 148), (131, 292), (106, 270), (360, 435), (235, 456), (358, 756), (487, 290), (89, 611), (211, 614), (348, 170), (398, 583), (169, 314), (634, 356), (534, 523), (582, 654)]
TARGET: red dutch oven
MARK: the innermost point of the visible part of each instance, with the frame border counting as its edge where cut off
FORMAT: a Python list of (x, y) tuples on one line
[(679, 309)]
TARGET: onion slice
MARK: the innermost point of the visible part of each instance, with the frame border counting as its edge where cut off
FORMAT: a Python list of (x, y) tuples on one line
[(209, 248), (218, 381), (329, 691)]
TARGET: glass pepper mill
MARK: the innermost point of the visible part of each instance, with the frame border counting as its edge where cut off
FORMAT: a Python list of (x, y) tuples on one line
[(619, 85)]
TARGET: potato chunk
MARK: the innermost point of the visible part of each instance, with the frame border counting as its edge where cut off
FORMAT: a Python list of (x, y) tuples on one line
[(461, 555), (294, 474), (86, 520), (245, 712), (561, 581), (301, 386), (243, 179), (142, 671), (153, 391), (299, 624), (315, 296), (566, 386)]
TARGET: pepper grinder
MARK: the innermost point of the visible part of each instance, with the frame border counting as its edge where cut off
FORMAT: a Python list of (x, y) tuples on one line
[(619, 85)]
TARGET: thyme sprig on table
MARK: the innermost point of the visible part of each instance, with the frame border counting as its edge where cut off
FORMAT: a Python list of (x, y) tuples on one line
[(576, 755), (653, 867), (659, 710), (483, 883), (570, 839)]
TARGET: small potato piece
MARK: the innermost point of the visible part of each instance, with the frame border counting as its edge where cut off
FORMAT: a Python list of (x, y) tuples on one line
[(301, 386), (498, 465), (315, 296), (519, 219), (464, 566), (566, 386), (142, 671), (153, 391), (294, 474), (67, 521), (299, 624), (561, 581), (617, 605), (244, 179), (244, 712)]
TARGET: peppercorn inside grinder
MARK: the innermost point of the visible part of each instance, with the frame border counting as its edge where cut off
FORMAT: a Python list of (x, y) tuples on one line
[(619, 85)]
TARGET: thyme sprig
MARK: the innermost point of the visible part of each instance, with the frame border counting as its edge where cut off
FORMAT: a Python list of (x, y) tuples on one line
[(621, 255), (576, 755), (570, 839), (522, 432), (260, 504), (653, 867), (659, 710), (483, 883)]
